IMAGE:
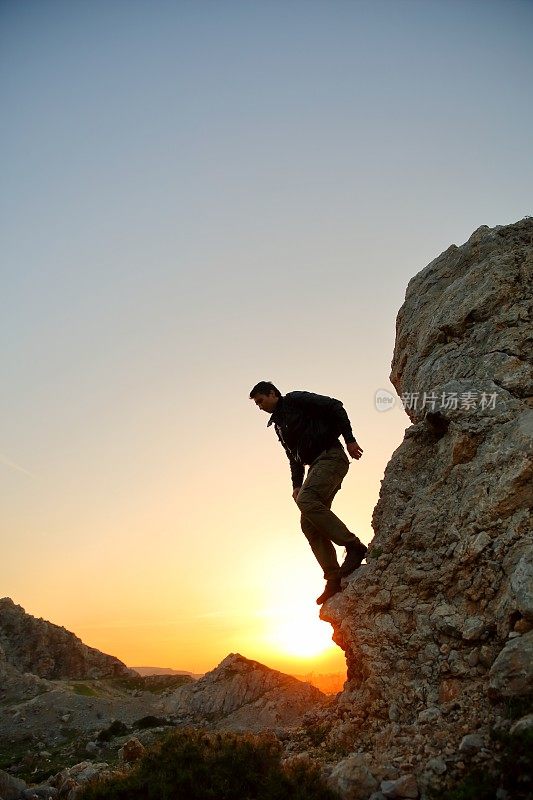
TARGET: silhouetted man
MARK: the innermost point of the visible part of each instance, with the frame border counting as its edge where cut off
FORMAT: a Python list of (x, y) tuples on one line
[(308, 426)]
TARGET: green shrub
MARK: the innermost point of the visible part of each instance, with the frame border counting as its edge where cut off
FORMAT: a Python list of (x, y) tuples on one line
[(117, 728), (84, 690), (148, 683), (195, 765), (150, 722)]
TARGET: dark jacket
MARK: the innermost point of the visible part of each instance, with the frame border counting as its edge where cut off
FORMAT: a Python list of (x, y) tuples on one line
[(307, 424)]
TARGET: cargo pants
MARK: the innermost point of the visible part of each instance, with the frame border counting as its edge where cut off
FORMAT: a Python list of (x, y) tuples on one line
[(319, 524)]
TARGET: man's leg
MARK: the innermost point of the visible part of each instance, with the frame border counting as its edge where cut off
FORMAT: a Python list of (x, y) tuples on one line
[(322, 483), (323, 549), (321, 525)]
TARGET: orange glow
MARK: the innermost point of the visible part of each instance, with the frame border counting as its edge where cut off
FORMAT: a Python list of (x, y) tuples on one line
[(301, 634), (179, 564)]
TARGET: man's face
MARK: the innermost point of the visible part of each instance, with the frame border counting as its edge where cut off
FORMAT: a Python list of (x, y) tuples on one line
[(266, 402)]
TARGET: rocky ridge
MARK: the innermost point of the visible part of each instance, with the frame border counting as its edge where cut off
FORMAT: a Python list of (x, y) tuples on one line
[(437, 627), (241, 694), (31, 645)]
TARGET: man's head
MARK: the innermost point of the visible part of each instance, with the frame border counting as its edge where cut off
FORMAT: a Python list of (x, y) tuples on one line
[(265, 395)]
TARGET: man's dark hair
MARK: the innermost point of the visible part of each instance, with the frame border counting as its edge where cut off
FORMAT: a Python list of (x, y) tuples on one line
[(264, 387)]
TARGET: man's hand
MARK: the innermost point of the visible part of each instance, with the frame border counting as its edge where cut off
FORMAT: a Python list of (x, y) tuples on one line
[(354, 450), (295, 493)]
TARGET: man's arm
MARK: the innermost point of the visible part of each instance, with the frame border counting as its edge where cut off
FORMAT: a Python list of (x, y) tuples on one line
[(297, 469)]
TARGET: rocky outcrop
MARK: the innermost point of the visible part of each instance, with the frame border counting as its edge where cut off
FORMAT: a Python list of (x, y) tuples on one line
[(31, 645), (438, 626), (241, 694)]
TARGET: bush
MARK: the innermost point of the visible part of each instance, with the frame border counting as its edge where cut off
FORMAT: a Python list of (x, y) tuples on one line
[(195, 765), (117, 728), (84, 690), (150, 722)]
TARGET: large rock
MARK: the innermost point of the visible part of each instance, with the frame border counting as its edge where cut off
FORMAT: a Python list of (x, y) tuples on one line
[(11, 788), (448, 573), (522, 585), (511, 674), (406, 786), (242, 694), (352, 779), (32, 645)]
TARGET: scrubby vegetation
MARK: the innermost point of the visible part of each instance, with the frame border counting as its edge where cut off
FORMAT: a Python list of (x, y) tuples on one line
[(84, 690), (149, 683), (116, 728), (196, 765)]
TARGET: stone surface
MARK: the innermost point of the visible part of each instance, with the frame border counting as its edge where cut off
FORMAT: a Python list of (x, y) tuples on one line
[(436, 765), (49, 651), (406, 786), (10, 787), (43, 791), (241, 694), (87, 770), (353, 779), (471, 743), (512, 673), (132, 750), (448, 572), (522, 585), (522, 725), (429, 715)]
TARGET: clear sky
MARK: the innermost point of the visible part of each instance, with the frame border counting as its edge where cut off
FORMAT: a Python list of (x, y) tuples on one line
[(197, 196)]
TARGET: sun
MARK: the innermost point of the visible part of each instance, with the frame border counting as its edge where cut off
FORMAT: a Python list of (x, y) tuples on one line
[(291, 625), (302, 635), (304, 639)]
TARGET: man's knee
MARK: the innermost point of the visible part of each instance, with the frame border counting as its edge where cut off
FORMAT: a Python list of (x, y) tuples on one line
[(308, 502), (309, 530)]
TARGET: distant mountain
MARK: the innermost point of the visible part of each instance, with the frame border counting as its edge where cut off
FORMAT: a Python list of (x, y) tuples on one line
[(28, 644), (165, 671), (330, 683), (241, 694)]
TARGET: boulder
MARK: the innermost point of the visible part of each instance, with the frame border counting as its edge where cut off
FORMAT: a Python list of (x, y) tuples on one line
[(11, 788), (132, 750), (353, 779), (406, 786), (511, 674)]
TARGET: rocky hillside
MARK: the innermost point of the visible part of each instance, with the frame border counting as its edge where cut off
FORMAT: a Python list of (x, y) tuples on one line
[(33, 645), (241, 694), (438, 626)]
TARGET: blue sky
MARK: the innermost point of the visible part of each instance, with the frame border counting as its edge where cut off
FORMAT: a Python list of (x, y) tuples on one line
[(200, 195)]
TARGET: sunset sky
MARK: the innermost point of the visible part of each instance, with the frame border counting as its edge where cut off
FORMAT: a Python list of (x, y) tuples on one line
[(197, 196)]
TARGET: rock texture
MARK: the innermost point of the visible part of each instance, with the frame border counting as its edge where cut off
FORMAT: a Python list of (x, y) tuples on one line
[(438, 626), (241, 694), (49, 651)]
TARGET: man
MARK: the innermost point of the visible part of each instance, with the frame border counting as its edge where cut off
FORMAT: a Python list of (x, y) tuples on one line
[(308, 426)]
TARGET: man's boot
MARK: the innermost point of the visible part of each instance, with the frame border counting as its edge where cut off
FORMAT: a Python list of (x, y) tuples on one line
[(332, 587), (355, 552)]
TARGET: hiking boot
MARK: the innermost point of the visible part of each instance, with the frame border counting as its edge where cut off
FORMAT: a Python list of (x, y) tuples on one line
[(332, 587), (355, 552)]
